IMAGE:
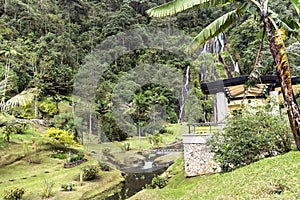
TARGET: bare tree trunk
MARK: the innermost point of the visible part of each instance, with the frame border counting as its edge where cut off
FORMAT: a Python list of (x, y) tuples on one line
[(283, 72), (139, 129), (90, 120)]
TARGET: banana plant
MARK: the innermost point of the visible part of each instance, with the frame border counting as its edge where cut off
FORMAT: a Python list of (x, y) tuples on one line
[(275, 31)]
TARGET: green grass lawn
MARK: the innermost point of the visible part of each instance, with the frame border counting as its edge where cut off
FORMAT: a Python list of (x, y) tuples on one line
[(16, 170), (271, 178), (32, 177), (177, 131)]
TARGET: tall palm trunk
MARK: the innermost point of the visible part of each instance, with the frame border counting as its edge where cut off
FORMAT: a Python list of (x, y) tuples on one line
[(139, 128), (5, 5), (6, 77), (279, 54)]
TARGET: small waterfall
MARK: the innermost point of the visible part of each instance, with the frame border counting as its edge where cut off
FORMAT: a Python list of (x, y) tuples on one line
[(148, 164), (215, 46), (236, 67), (205, 48), (184, 93), (219, 44)]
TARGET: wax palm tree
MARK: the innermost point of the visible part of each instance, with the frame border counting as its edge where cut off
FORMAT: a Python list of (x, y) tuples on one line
[(8, 56), (139, 107), (275, 36), (156, 96)]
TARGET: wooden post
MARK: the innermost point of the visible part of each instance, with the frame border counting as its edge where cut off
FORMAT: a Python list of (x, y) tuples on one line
[(81, 177)]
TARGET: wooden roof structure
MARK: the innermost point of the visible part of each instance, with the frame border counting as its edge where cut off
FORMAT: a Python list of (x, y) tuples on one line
[(234, 88)]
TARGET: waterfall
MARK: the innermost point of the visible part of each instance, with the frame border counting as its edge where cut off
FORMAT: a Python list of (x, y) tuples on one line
[(184, 93), (207, 71), (205, 48), (219, 44), (236, 67), (215, 46)]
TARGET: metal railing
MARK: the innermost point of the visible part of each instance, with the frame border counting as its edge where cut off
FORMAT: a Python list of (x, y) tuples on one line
[(205, 128)]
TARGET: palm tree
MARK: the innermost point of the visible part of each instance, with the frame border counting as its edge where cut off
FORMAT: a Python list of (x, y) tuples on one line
[(8, 55), (139, 106), (156, 96), (275, 37)]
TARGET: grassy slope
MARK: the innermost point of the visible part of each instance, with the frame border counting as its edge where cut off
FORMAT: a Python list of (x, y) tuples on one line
[(16, 170), (271, 178), (32, 176)]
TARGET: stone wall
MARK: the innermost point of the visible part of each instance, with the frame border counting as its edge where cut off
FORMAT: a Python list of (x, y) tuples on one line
[(198, 160)]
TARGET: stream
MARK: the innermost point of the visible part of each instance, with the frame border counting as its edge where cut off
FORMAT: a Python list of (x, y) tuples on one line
[(136, 178), (138, 168)]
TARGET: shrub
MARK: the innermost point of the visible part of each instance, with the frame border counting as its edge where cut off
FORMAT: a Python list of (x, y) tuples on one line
[(155, 139), (47, 188), (16, 128), (28, 113), (90, 172), (80, 155), (104, 166), (48, 108), (59, 156), (159, 181), (60, 136), (166, 130), (249, 136), (14, 192), (68, 186), (20, 128), (7, 131)]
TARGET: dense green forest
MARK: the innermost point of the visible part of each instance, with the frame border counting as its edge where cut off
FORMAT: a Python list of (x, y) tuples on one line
[(44, 44)]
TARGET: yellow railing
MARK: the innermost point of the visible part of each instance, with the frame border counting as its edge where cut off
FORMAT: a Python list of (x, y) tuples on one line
[(205, 128)]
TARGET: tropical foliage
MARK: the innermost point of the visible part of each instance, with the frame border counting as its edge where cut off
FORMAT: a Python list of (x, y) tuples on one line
[(275, 35), (44, 43)]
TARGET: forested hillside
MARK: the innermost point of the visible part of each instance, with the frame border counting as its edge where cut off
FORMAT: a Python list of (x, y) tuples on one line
[(43, 44)]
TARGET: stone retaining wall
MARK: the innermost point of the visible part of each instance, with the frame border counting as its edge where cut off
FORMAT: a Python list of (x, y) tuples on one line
[(198, 160)]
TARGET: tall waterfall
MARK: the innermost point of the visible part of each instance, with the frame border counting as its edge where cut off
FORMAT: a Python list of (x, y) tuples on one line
[(184, 93)]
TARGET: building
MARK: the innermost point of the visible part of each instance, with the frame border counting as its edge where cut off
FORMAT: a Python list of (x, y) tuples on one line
[(231, 93)]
